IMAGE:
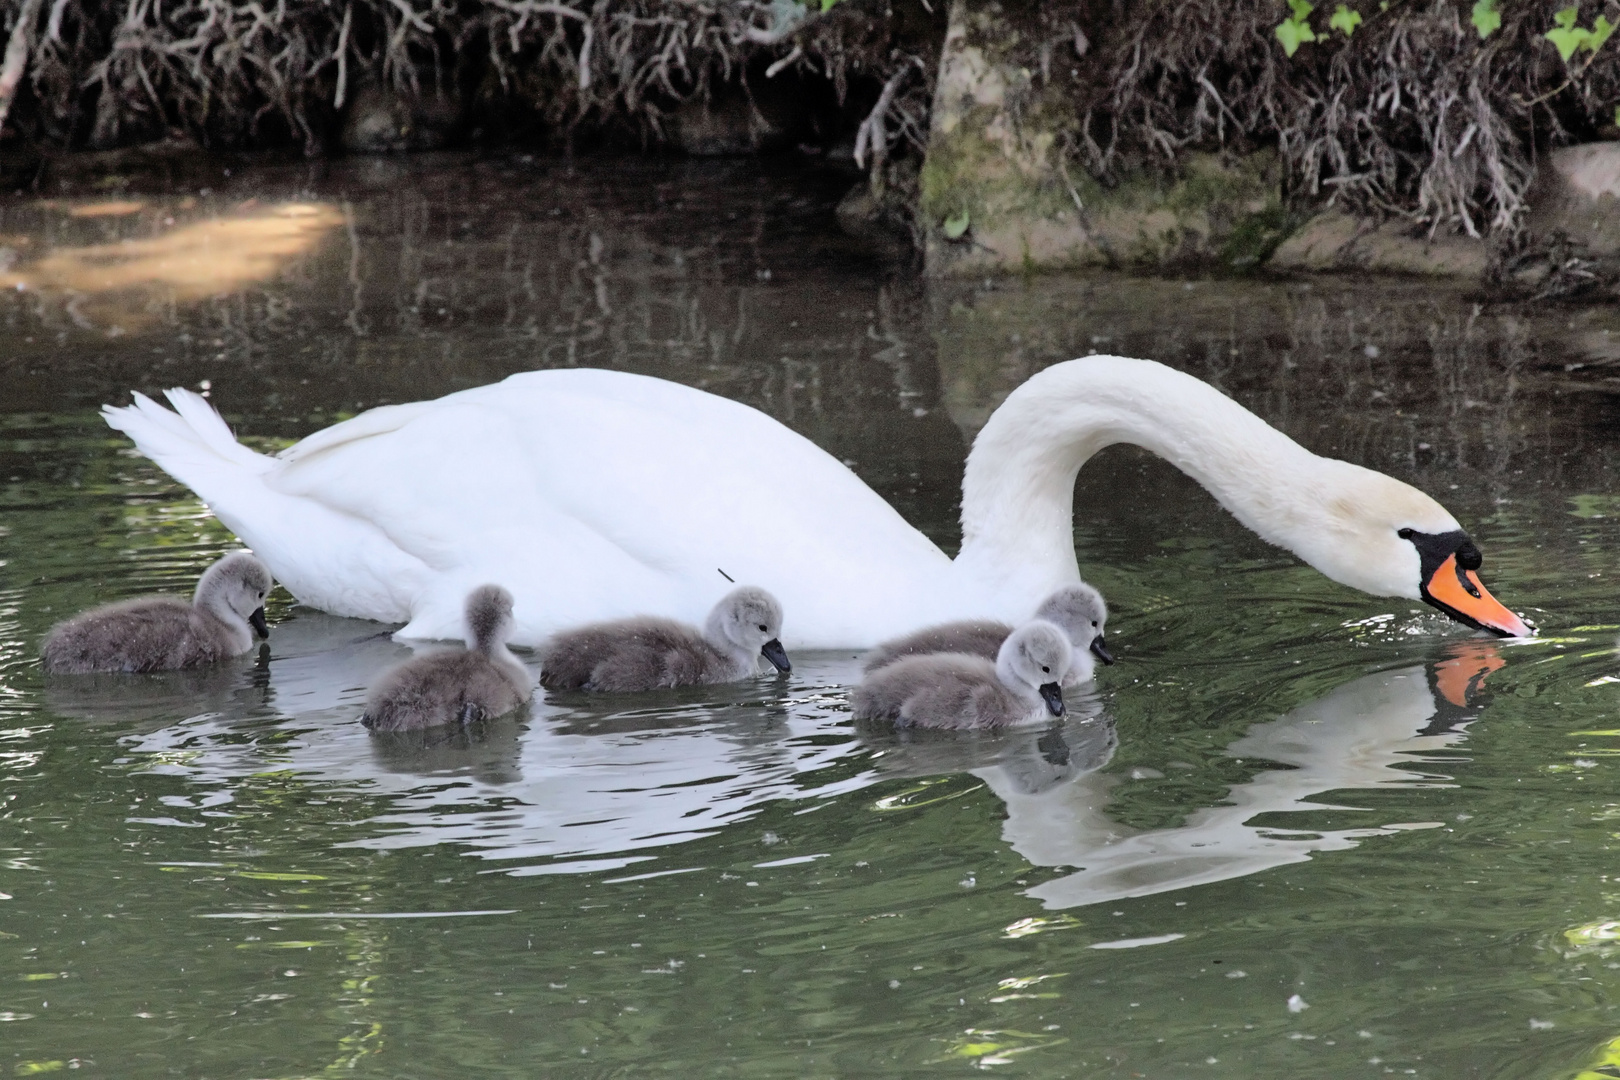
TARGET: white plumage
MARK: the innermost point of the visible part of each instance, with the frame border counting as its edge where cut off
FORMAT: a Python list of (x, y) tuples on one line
[(596, 495)]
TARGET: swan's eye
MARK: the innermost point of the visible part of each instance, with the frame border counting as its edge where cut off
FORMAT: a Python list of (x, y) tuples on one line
[(1046, 670), (762, 628), (1405, 534), (1093, 622)]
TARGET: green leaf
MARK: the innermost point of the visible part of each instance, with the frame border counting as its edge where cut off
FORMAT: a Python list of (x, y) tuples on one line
[(1344, 20), (1566, 18), (1617, 116), (1601, 29), (1487, 20), (956, 225), (827, 5), (1293, 34), (1567, 39), (1302, 9)]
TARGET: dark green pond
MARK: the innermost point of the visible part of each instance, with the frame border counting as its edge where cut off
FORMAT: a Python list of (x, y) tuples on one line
[(1295, 832)]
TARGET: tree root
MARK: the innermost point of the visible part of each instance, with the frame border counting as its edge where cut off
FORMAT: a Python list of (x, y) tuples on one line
[(235, 73), (1415, 115)]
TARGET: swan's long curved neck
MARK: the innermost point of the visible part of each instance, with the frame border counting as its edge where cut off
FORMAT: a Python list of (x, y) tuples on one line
[(1018, 490)]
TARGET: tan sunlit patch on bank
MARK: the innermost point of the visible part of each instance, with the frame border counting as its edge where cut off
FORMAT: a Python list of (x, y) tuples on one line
[(114, 208), (112, 286)]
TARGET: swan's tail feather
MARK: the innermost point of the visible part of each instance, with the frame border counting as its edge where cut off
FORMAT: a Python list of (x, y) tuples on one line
[(195, 410), (191, 437)]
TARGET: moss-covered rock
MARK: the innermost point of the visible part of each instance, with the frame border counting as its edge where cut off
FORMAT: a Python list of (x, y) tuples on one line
[(997, 196)]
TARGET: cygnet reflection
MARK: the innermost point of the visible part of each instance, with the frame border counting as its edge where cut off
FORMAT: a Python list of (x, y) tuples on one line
[(585, 786), (1020, 761), (486, 750), (1359, 736), (240, 685)]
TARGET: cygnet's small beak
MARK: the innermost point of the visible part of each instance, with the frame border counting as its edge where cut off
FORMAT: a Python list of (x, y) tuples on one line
[(772, 650), (1458, 593), (1052, 694), (256, 620), (1099, 649)]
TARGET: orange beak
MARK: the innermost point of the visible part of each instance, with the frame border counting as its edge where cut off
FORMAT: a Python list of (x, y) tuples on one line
[(1458, 593)]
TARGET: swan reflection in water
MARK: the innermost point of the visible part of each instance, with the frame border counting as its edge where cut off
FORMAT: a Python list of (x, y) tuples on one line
[(1368, 733), (1374, 732), (575, 787)]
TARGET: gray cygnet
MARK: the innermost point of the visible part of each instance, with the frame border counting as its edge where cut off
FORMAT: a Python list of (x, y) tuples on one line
[(956, 691), (456, 686), (1077, 610), (648, 653), (162, 633)]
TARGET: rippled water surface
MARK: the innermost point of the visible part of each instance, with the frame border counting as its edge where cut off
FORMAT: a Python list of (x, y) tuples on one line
[(1295, 832)]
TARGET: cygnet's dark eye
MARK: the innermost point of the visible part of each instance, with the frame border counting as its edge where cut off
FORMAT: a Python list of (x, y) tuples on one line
[(762, 628), (1093, 622), (1046, 669), (261, 597), (1404, 534)]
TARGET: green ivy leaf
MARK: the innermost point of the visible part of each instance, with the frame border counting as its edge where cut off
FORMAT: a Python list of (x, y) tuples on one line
[(1293, 34), (1344, 20), (1566, 17), (827, 5), (1567, 39), (1486, 19), (956, 226), (1601, 29), (1302, 9)]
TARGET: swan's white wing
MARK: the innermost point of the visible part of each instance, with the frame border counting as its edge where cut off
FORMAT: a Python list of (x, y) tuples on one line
[(595, 494), (378, 421)]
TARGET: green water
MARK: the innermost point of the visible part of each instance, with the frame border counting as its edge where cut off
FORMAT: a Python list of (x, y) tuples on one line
[(1335, 835)]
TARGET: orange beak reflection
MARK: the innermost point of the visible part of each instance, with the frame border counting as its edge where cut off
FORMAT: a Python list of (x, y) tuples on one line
[(1461, 677), (1459, 594)]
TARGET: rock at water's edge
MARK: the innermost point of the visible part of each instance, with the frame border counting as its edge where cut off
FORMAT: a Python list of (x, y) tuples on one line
[(997, 196), (1577, 191), (380, 121), (1335, 240)]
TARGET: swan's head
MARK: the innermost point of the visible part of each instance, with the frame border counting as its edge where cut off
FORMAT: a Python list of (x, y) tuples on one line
[(489, 617), (1035, 657), (1390, 539), (751, 619), (236, 585), (1079, 611)]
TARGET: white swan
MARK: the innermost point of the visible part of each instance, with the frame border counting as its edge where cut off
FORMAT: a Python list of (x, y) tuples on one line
[(596, 495)]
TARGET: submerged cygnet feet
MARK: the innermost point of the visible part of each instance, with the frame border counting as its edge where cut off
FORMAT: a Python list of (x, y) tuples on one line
[(456, 687), (1078, 610), (649, 653), (956, 691), (162, 633)]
